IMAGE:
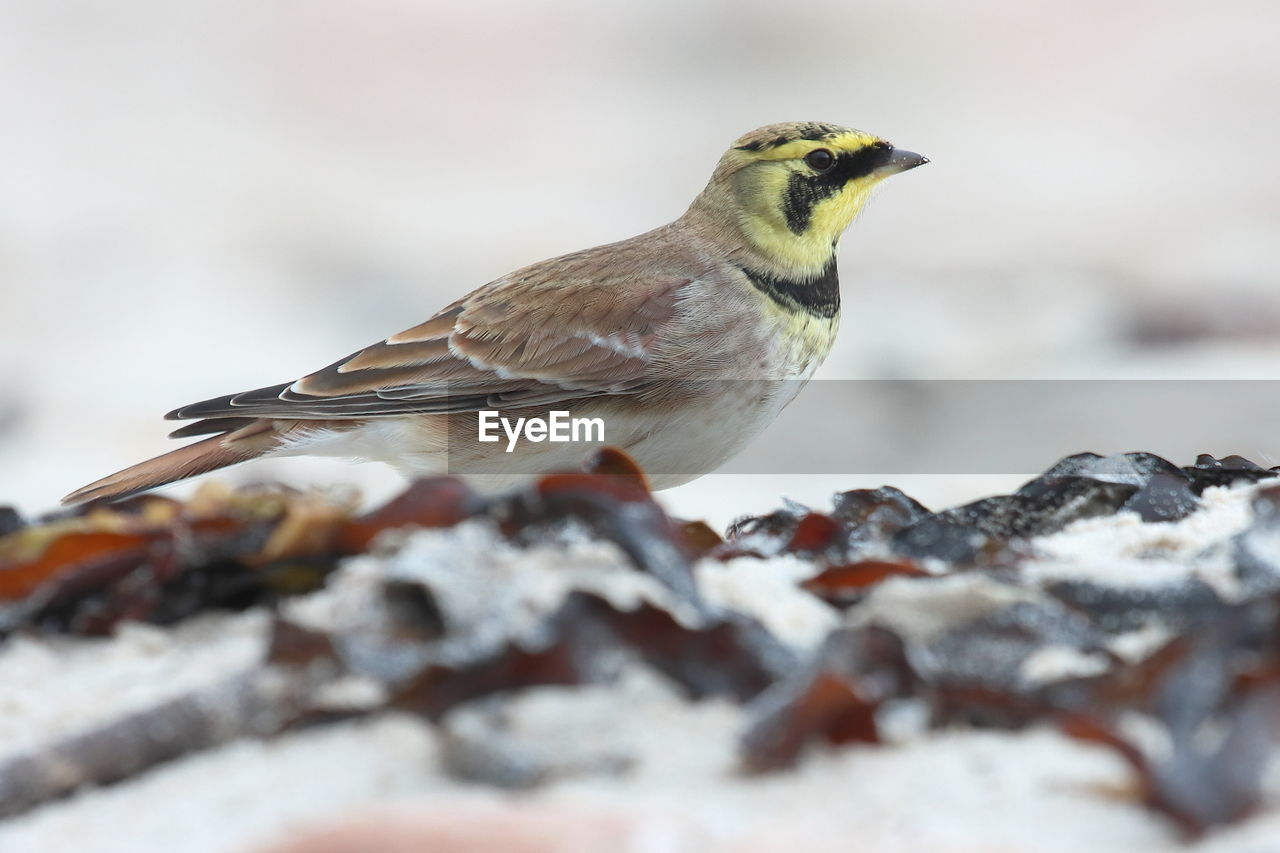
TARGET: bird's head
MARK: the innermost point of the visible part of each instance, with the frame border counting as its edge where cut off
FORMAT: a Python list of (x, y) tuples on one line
[(793, 188)]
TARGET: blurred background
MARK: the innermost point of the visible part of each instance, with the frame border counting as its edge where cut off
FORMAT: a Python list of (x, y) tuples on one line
[(203, 197)]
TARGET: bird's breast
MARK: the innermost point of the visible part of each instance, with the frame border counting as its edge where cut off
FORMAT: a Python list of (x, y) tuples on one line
[(803, 343)]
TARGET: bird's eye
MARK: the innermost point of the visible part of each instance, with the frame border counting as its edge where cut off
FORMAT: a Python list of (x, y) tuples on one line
[(820, 159)]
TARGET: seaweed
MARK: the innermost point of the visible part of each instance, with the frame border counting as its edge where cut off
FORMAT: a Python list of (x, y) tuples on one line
[(973, 640)]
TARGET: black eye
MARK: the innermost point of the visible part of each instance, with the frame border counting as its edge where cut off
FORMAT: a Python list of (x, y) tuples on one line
[(820, 159)]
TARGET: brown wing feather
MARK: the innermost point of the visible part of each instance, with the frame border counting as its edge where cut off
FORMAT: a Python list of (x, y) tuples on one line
[(558, 335)]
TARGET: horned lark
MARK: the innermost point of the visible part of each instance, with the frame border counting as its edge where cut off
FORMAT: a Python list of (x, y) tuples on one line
[(685, 341)]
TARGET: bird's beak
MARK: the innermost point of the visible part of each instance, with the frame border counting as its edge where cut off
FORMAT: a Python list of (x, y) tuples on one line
[(900, 161)]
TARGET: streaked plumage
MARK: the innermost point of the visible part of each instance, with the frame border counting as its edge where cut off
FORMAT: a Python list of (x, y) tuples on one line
[(653, 333)]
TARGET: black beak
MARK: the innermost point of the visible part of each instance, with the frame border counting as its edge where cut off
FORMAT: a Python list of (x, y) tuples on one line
[(901, 160)]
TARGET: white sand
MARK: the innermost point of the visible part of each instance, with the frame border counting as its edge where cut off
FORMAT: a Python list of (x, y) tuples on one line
[(634, 747)]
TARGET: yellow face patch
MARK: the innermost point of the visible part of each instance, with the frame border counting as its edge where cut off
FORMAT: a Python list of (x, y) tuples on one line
[(845, 141), (793, 211)]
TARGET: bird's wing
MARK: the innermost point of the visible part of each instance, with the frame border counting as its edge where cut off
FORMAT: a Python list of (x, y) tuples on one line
[(517, 341)]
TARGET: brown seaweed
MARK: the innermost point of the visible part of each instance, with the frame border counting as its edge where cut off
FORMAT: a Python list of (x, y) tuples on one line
[(162, 561)]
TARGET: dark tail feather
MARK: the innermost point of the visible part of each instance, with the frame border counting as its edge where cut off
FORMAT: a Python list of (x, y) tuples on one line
[(209, 426), (202, 457)]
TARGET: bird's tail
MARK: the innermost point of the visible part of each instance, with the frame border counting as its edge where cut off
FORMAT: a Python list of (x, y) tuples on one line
[(240, 445)]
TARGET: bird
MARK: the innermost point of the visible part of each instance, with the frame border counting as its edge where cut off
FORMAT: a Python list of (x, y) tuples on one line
[(684, 342)]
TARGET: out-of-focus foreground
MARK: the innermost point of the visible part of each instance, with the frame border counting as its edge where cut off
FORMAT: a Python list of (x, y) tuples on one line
[(1092, 662)]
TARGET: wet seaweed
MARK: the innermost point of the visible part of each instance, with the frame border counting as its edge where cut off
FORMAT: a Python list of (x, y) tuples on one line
[(937, 612)]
